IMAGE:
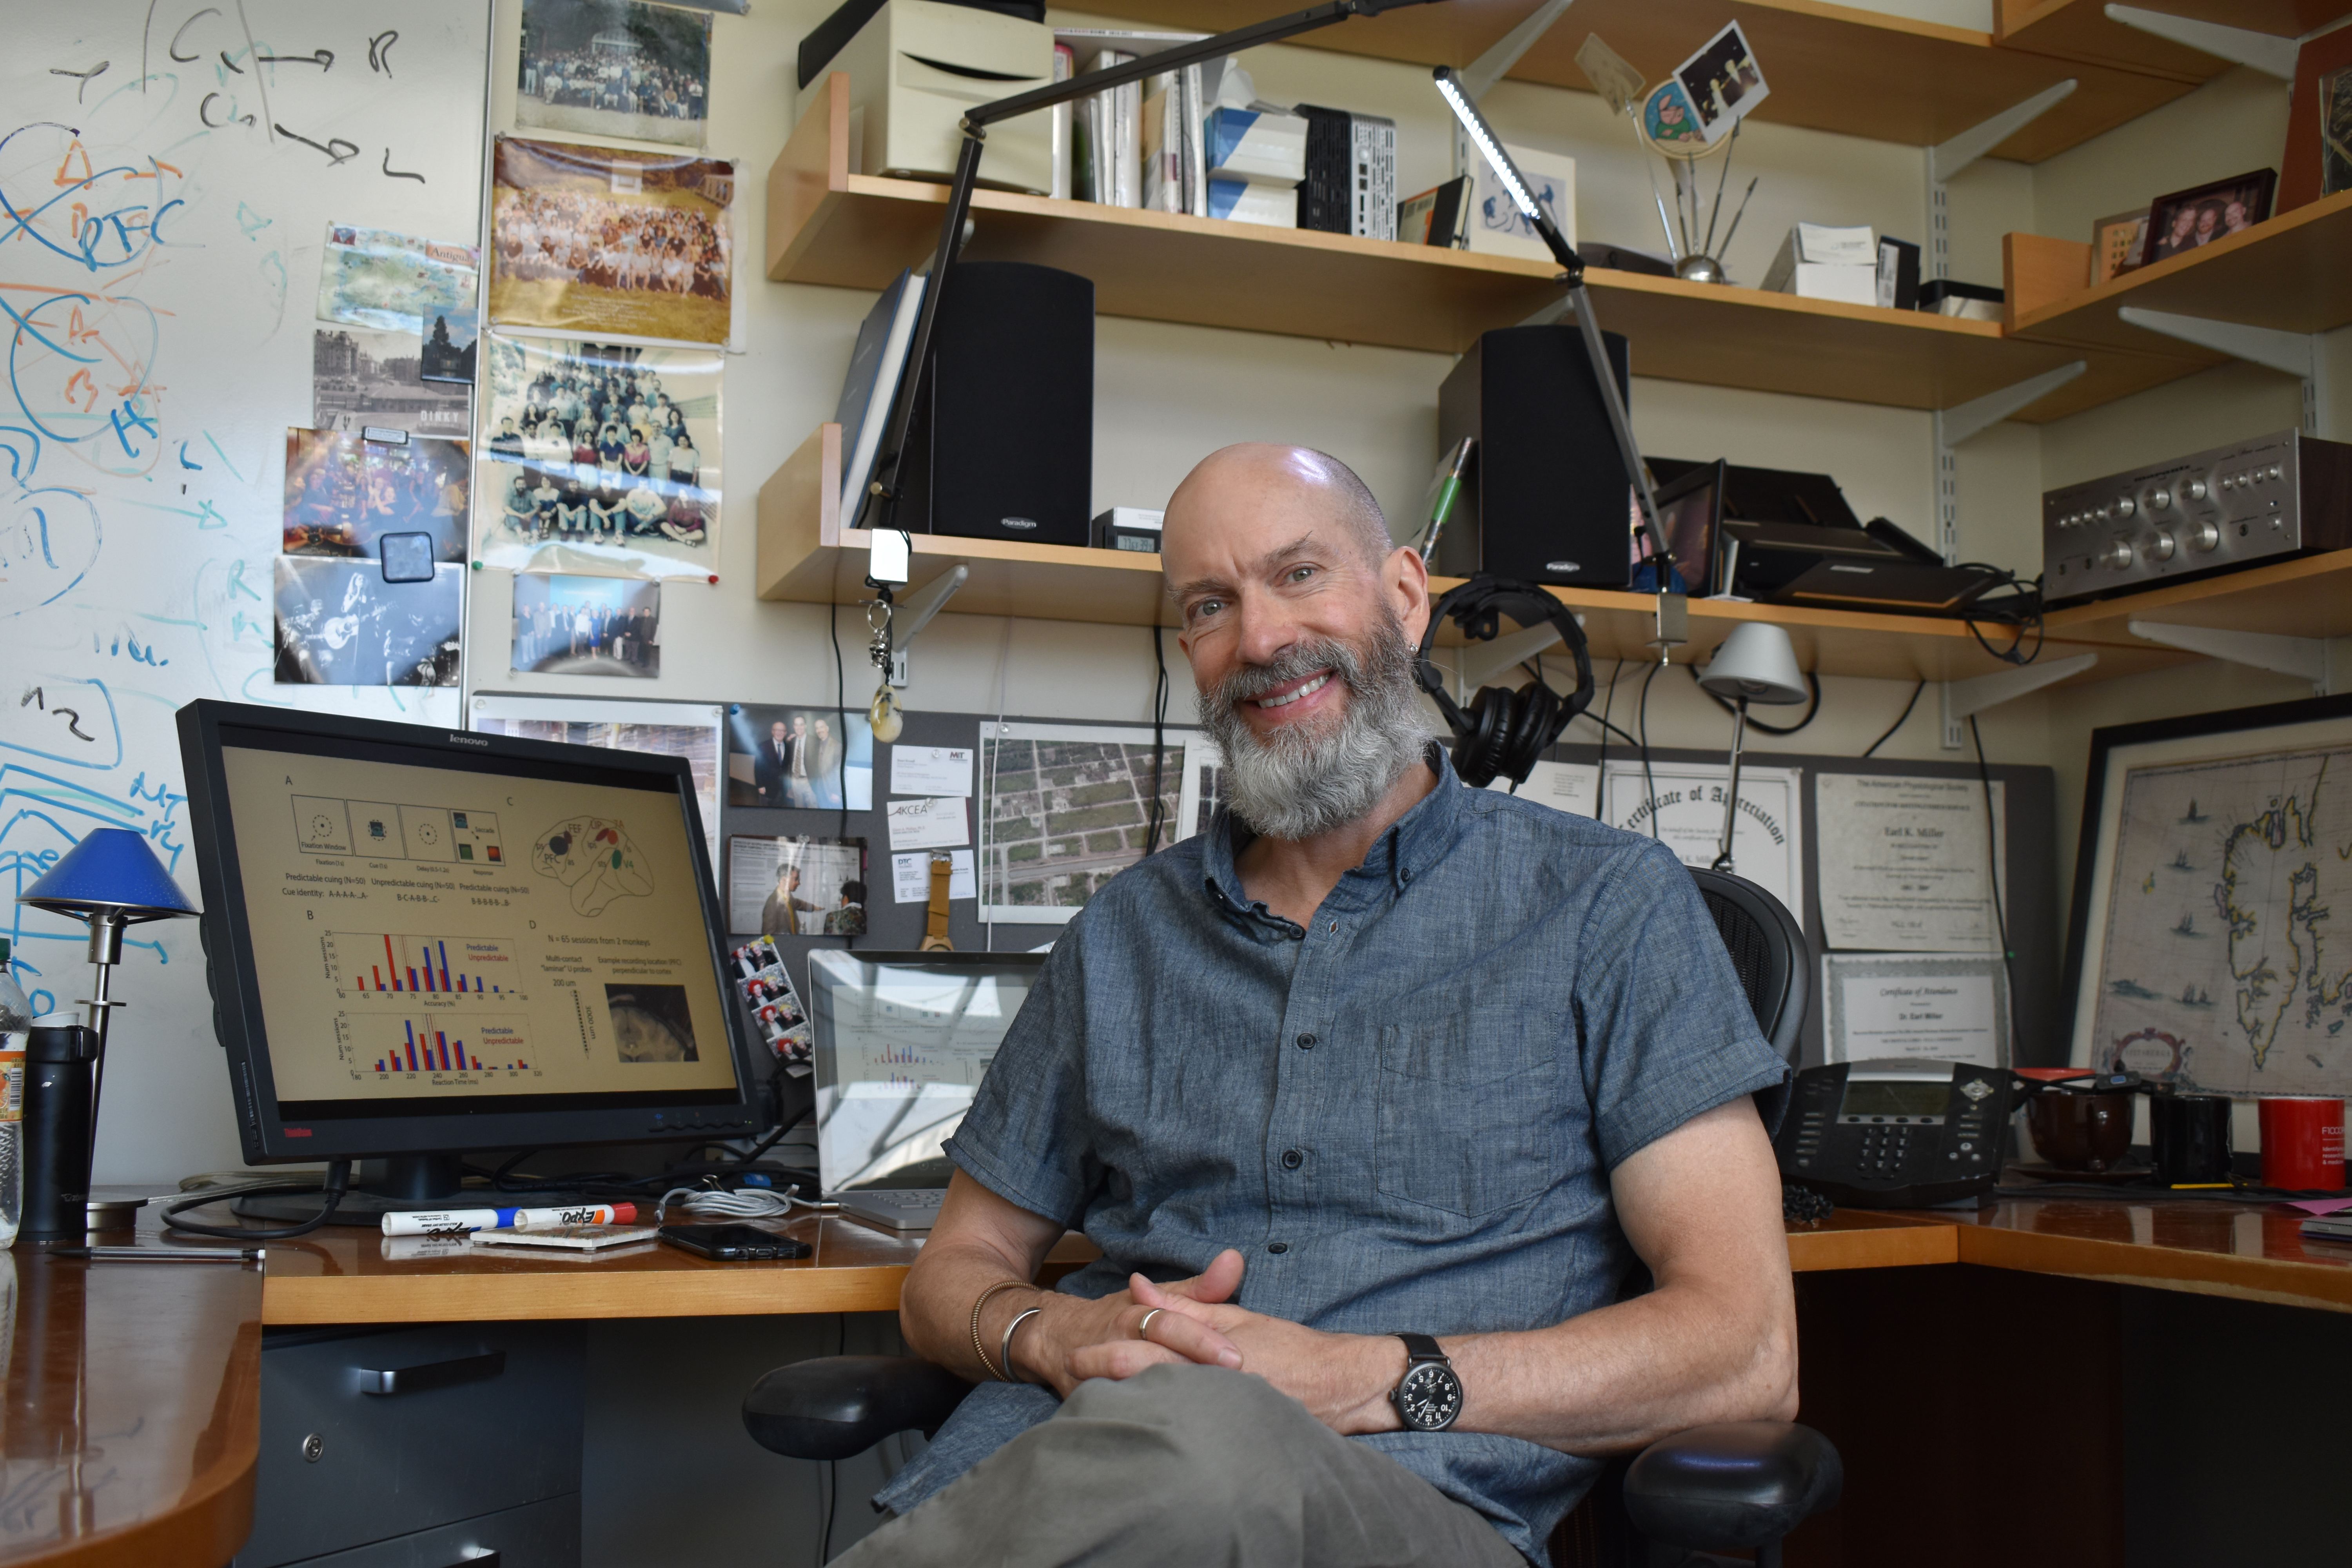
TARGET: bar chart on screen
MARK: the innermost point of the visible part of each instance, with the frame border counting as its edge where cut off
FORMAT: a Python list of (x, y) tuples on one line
[(448, 1046), (372, 963)]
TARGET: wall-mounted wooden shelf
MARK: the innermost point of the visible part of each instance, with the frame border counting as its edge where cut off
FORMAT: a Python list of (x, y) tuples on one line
[(805, 556), (2290, 273), (1833, 67), (828, 225), (2308, 597), (2082, 30)]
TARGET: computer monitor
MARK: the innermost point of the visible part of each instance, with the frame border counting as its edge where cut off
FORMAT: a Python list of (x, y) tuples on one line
[(422, 942), (900, 1041)]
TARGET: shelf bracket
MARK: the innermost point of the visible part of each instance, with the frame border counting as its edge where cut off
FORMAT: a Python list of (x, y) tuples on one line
[(2325, 662), (1959, 698), (1946, 159), (2290, 353), (1492, 658), (915, 612), (2265, 52), (1956, 424)]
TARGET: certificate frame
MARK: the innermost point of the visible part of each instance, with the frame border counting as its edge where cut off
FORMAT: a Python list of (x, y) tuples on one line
[(1917, 968)]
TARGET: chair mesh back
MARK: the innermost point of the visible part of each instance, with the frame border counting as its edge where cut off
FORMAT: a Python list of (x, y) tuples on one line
[(1750, 949)]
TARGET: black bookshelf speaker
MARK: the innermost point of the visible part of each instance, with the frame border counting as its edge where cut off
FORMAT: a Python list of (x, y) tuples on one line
[(1545, 498), (1002, 444)]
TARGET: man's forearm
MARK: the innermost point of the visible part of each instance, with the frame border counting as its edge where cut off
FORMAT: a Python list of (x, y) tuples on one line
[(935, 1306)]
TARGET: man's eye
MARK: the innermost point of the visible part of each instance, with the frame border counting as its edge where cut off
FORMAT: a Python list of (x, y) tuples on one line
[(1206, 607), (1300, 573)]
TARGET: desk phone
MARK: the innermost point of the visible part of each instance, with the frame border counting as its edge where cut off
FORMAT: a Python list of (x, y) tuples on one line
[(1896, 1135)]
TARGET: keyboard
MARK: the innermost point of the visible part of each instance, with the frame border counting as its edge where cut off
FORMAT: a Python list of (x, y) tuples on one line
[(893, 1208)]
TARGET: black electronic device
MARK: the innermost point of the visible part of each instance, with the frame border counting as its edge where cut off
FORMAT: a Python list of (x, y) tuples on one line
[(1506, 730), (1896, 1135), (1769, 495), (736, 1243), (422, 943), (1690, 514), (1002, 441), (1545, 498)]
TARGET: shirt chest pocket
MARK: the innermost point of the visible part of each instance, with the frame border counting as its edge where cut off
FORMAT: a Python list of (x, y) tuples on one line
[(1466, 1113)]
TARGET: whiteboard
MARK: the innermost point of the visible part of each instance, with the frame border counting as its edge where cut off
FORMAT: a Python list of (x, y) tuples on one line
[(159, 332)]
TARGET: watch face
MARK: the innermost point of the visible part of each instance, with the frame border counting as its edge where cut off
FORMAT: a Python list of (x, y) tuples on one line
[(1429, 1398)]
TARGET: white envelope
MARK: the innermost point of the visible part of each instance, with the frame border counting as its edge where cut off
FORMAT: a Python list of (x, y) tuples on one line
[(935, 822)]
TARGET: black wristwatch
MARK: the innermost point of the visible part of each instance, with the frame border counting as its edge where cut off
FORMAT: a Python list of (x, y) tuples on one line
[(1429, 1396)]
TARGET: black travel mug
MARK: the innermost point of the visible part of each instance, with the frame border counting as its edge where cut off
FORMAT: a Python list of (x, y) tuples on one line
[(57, 1063), (2189, 1134)]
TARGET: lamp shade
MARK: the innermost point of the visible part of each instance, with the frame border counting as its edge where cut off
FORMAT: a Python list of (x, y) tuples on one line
[(112, 870), (1756, 662)]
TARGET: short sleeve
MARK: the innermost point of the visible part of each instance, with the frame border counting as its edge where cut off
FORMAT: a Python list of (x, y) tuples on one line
[(1024, 1138), (1666, 1032)]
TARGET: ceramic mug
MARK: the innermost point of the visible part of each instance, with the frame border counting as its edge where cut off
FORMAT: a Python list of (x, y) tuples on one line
[(2080, 1131)]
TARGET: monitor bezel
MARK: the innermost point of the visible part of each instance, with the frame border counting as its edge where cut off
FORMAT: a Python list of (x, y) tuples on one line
[(266, 1135)]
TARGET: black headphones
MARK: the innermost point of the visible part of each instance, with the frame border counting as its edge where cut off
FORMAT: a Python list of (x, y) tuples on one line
[(1506, 730)]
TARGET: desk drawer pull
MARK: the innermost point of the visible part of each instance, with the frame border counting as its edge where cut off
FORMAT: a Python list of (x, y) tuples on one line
[(433, 1374)]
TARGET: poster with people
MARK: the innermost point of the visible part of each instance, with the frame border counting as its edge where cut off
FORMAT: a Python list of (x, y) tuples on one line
[(344, 492), (794, 886), (567, 624), (805, 759), (604, 242), (615, 67), (601, 457), (339, 622)]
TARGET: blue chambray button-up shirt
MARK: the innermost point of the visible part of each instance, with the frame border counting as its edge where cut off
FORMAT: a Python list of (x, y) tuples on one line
[(1404, 1115)]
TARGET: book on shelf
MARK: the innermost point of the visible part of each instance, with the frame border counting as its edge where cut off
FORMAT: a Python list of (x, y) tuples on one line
[(1108, 160), (1066, 66), (1351, 180), (875, 366), (1438, 216)]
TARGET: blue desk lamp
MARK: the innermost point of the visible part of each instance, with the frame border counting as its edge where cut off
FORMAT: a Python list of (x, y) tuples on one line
[(110, 881)]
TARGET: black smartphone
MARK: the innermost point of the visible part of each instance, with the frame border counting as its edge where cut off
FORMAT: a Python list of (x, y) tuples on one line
[(733, 1243)]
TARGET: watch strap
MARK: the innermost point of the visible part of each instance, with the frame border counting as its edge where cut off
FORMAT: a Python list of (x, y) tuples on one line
[(1420, 1347)]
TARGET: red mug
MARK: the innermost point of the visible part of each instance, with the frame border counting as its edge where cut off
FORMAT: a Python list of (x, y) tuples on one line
[(2303, 1146)]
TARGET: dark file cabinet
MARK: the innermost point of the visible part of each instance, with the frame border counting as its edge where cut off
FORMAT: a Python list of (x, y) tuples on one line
[(425, 1447)]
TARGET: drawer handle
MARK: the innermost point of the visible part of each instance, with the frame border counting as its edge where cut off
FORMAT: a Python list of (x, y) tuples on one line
[(477, 1557), (433, 1374)]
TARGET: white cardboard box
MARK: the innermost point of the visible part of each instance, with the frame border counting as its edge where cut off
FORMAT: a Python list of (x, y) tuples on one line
[(1819, 262)]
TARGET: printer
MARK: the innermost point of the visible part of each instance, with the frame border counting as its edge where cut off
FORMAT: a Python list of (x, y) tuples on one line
[(915, 66)]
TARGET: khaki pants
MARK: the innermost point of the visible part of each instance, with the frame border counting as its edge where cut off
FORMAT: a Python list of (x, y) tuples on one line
[(1189, 1467)]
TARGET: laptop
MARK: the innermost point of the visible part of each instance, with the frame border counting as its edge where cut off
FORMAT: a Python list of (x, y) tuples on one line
[(900, 1041)]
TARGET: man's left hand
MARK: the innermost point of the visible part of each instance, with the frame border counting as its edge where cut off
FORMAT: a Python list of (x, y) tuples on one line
[(1344, 1380)]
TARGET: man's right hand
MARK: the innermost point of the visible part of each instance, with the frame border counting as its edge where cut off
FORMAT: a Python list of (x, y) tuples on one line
[(1072, 1339)]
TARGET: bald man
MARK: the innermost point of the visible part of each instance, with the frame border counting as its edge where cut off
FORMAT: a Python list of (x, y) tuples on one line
[(1376, 1095)]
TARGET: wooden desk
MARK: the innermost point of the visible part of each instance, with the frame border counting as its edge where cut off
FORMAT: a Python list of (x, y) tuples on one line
[(134, 1412)]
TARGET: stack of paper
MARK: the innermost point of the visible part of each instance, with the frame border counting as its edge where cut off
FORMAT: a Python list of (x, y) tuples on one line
[(1256, 158)]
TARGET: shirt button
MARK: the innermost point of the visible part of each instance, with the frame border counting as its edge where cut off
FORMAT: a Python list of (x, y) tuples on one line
[(1405, 874), (1277, 1247), (1305, 1041), (1292, 1159)]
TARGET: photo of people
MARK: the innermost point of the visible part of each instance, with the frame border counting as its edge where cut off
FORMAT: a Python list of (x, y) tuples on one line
[(587, 625), (394, 282), (796, 887), (344, 492), (339, 622), (812, 758), (597, 241), (776, 1012), (1724, 82), (601, 457), (2192, 219), (360, 376), (614, 68)]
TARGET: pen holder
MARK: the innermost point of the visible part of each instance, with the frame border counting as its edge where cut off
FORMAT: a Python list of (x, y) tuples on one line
[(57, 1063)]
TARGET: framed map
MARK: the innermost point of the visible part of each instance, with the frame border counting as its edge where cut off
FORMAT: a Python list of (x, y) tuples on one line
[(2203, 947)]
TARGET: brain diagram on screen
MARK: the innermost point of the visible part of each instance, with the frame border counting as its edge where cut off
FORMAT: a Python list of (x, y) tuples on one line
[(595, 859)]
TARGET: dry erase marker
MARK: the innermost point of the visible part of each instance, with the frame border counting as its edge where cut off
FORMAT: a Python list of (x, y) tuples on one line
[(430, 1222)]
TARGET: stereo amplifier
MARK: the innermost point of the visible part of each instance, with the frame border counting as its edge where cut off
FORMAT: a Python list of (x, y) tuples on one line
[(2234, 506)]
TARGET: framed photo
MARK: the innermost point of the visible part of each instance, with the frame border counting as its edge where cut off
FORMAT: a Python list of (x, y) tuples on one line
[(805, 759), (2335, 131), (2316, 163), (2117, 245), (2199, 950), (2190, 219)]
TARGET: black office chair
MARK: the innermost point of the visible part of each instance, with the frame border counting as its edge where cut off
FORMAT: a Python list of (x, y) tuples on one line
[(1733, 1486)]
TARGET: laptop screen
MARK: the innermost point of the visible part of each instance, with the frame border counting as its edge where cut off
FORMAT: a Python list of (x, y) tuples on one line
[(900, 1040)]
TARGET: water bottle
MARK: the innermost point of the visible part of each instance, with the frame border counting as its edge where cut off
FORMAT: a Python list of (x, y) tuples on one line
[(15, 1020)]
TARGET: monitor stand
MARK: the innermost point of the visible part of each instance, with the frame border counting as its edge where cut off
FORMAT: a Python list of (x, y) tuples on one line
[(392, 1185)]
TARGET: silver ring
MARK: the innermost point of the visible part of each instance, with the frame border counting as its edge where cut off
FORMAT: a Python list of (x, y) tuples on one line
[(1143, 1328)]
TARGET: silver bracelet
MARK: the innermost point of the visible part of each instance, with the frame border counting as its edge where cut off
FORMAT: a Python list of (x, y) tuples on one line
[(1004, 1348)]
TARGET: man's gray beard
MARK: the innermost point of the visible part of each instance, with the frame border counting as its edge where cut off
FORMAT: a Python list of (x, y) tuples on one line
[(1308, 779)]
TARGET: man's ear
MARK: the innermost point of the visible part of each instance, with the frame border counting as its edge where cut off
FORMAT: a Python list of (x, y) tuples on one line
[(1404, 578)]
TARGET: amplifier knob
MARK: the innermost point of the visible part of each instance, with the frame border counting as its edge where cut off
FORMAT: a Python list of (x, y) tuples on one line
[(2125, 506), (2158, 500), (2203, 536), (2276, 473), (2118, 555), (2194, 489), (2163, 548)]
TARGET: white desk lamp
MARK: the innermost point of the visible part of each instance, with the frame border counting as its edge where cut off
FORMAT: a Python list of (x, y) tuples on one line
[(1755, 664)]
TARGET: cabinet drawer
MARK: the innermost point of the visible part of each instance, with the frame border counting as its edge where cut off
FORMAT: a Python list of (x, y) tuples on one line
[(537, 1535), (369, 1435)]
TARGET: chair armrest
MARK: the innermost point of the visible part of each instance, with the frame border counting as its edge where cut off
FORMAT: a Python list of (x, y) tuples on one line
[(1735, 1484), (833, 1407)]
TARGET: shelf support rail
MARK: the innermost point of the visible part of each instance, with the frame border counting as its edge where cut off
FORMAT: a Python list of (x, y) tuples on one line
[(1946, 159), (2325, 662), (2291, 353), (2264, 52), (1957, 423), (1957, 699)]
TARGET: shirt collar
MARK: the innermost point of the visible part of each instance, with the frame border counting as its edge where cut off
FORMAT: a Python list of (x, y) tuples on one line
[(1407, 850)]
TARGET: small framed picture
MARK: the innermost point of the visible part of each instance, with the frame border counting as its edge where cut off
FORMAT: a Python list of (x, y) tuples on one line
[(2190, 219), (2116, 244)]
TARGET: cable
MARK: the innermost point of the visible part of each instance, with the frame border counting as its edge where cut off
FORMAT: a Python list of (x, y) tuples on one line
[(1649, 779), (1898, 720), (2021, 609), (338, 1182), (747, 1202), (1993, 856), (1600, 763), (832, 1472), (841, 701), (1157, 816)]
